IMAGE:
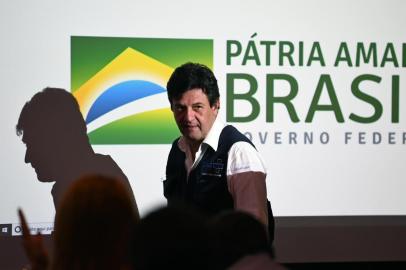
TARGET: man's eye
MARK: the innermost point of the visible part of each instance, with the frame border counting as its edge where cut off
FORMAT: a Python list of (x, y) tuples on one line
[(178, 108)]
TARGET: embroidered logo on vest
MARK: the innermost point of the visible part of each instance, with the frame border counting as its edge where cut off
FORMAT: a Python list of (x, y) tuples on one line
[(213, 168)]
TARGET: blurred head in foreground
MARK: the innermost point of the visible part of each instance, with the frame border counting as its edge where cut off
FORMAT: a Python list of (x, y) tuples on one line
[(93, 225)]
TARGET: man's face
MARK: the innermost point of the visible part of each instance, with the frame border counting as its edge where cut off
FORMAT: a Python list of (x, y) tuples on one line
[(40, 153), (194, 115)]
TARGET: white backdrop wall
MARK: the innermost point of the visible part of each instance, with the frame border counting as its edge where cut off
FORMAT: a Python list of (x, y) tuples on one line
[(335, 178)]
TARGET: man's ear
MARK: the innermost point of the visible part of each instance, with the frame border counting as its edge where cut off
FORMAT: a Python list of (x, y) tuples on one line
[(216, 105)]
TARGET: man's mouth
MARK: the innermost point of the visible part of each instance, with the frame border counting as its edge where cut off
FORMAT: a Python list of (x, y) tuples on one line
[(190, 126)]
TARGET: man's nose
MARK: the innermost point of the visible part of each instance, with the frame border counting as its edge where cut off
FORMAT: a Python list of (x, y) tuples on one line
[(190, 114)]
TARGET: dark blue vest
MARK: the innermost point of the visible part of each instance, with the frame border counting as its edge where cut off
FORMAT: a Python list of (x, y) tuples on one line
[(206, 189)]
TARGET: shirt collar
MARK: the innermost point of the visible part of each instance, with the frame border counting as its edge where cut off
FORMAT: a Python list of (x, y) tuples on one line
[(213, 136)]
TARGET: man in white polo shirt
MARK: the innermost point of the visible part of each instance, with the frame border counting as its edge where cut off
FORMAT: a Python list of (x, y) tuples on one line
[(212, 166)]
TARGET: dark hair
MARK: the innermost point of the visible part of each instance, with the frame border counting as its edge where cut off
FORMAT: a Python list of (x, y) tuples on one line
[(191, 76), (173, 237), (93, 225), (233, 235), (52, 108)]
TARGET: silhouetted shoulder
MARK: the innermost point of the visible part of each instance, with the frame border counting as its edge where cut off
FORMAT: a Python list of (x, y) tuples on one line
[(105, 165)]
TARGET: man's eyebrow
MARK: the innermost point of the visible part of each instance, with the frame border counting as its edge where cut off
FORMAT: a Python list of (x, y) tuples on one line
[(183, 105)]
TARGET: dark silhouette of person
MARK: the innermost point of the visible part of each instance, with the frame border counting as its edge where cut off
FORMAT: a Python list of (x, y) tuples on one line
[(173, 237), (239, 241), (94, 225), (58, 148), (93, 228)]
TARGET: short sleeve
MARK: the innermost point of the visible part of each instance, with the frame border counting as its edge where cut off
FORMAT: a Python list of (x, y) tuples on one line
[(243, 157)]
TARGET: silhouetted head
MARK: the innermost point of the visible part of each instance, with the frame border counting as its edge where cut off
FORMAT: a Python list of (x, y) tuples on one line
[(93, 225), (171, 238), (53, 130), (233, 235)]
